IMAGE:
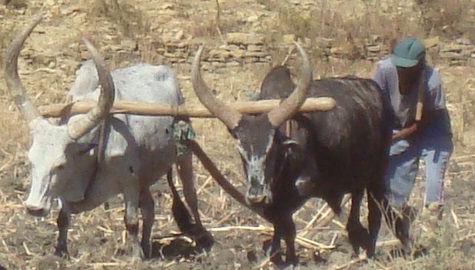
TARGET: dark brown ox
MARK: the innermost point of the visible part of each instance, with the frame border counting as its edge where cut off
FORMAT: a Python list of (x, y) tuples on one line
[(327, 154)]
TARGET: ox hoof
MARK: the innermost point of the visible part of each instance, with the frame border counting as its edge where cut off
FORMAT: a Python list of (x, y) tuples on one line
[(291, 260), (62, 253), (204, 239), (134, 250), (138, 253), (287, 264), (276, 259), (146, 249), (266, 246)]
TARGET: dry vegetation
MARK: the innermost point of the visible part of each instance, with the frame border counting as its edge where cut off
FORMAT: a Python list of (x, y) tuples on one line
[(54, 52)]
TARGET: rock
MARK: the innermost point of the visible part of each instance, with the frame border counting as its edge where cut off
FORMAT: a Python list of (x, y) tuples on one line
[(453, 55), (452, 48), (128, 45), (180, 34), (237, 54), (464, 41), (233, 48), (288, 38), (252, 19), (374, 48), (339, 51), (233, 64), (431, 42), (255, 48), (251, 59), (219, 54), (244, 38), (167, 6), (256, 54)]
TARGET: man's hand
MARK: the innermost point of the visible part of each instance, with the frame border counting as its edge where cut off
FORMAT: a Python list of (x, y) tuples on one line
[(404, 133)]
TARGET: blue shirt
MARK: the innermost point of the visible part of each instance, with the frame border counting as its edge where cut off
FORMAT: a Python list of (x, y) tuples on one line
[(404, 106)]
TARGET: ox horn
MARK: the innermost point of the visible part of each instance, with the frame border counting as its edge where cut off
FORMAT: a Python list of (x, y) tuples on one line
[(83, 125), (224, 113), (291, 104), (14, 84)]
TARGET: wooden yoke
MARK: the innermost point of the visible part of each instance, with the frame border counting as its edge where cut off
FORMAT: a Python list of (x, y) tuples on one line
[(142, 108)]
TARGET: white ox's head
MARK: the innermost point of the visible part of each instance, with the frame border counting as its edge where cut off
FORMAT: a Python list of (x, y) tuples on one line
[(57, 155), (255, 134)]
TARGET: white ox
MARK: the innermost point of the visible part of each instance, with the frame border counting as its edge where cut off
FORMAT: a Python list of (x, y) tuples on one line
[(137, 150)]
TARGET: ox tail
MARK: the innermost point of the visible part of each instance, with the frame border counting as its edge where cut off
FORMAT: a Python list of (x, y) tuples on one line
[(180, 212)]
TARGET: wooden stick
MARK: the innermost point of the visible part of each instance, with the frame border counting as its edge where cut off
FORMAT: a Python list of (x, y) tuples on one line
[(420, 96), (141, 108), (349, 264)]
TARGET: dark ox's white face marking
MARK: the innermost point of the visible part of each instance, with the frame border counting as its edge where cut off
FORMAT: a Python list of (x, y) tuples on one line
[(255, 141)]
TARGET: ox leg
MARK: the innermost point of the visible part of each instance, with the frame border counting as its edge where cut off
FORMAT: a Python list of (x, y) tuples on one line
[(275, 251), (63, 221), (357, 234), (131, 197), (375, 206), (147, 207), (204, 239), (289, 234), (284, 227)]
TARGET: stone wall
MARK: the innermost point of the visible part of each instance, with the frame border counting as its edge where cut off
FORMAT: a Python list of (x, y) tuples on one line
[(241, 48)]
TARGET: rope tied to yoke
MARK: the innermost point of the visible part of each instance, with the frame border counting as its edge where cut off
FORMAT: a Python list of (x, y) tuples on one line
[(182, 132)]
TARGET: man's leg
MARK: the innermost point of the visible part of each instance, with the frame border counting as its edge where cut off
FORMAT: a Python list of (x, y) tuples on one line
[(401, 175), (400, 178), (436, 153)]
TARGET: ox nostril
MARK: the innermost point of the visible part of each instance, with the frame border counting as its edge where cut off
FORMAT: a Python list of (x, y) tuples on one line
[(38, 212), (254, 182), (35, 211)]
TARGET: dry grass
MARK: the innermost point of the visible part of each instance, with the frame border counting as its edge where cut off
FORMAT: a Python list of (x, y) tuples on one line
[(449, 19), (130, 20), (96, 237)]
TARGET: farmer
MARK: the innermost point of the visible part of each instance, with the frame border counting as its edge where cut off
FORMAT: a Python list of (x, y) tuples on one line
[(421, 127)]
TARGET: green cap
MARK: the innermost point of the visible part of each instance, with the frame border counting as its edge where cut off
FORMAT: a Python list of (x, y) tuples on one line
[(408, 52)]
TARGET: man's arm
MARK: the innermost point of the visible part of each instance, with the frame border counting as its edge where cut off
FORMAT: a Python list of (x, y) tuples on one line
[(427, 118)]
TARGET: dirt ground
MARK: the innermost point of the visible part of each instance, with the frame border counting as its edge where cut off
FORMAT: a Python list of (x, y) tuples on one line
[(96, 238)]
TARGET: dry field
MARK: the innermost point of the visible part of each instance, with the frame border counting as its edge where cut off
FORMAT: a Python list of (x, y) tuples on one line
[(54, 51)]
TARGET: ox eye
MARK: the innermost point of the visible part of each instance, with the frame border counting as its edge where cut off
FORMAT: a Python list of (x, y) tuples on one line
[(60, 167)]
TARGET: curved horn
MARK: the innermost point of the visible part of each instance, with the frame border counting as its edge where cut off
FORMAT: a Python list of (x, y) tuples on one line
[(224, 113), (291, 104), (14, 84), (79, 128)]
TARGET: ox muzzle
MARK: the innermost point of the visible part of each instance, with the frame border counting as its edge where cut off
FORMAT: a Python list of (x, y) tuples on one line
[(38, 206), (258, 192)]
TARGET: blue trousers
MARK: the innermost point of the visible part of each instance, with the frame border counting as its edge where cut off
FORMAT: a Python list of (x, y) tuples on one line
[(404, 165)]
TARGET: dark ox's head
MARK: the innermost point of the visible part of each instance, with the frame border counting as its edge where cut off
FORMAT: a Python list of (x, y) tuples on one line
[(255, 135)]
